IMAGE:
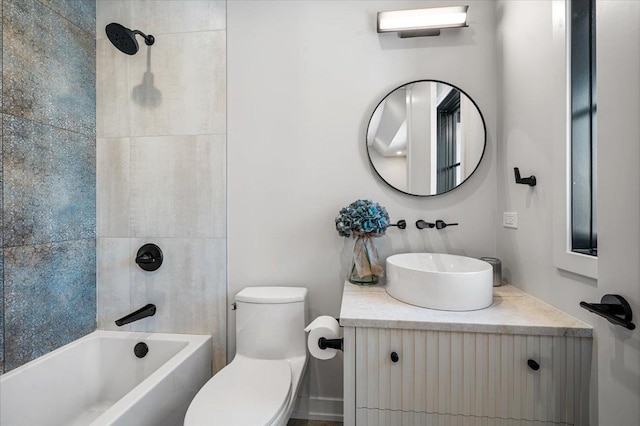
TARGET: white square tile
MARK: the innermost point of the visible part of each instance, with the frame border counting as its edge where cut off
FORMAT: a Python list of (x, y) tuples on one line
[(189, 289), (115, 262), (179, 85), (113, 187), (113, 103), (178, 16), (178, 186)]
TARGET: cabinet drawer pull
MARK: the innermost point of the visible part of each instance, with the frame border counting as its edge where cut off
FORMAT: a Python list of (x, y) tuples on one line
[(533, 365), (394, 357)]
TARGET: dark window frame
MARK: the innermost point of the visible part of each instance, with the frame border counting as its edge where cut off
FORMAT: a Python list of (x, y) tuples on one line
[(584, 230), (448, 116)]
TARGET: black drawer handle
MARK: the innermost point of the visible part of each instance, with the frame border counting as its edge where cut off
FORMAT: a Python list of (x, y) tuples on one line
[(394, 357), (533, 365)]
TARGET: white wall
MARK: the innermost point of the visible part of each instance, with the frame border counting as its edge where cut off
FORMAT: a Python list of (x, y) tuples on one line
[(304, 78), (471, 124), (161, 124), (531, 115)]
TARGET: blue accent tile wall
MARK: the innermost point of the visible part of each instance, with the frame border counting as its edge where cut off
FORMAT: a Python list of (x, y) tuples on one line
[(47, 176)]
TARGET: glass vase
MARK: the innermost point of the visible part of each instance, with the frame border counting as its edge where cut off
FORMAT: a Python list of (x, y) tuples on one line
[(365, 267)]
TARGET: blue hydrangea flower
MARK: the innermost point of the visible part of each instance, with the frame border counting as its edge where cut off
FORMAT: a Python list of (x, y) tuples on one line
[(362, 217)]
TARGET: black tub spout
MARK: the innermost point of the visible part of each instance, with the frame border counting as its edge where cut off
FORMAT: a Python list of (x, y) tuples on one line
[(146, 311)]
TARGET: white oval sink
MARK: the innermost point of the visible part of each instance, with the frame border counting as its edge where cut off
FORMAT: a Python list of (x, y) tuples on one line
[(440, 281)]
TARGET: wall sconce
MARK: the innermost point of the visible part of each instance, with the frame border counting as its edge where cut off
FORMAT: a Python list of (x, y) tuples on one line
[(422, 22)]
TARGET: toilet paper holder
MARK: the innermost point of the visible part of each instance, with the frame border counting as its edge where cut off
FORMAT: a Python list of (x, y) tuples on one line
[(324, 332), (324, 343)]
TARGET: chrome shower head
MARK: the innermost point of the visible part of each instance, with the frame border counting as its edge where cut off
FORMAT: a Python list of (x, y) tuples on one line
[(125, 39)]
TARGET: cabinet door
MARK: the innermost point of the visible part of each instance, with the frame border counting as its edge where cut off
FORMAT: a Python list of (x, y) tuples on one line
[(374, 417), (473, 374)]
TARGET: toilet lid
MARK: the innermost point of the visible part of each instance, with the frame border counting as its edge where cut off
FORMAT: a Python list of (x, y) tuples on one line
[(246, 392)]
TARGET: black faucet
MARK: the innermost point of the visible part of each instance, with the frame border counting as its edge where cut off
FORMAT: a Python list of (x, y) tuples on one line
[(421, 224), (146, 311), (441, 225)]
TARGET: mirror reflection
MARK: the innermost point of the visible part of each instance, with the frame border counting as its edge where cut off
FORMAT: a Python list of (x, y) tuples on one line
[(426, 138)]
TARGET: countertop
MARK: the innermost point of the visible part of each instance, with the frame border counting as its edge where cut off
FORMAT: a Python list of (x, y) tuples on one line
[(512, 312)]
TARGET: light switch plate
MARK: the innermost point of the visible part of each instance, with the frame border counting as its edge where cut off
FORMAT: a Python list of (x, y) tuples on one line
[(510, 220)]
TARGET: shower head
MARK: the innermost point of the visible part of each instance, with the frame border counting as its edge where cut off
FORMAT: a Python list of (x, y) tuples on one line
[(125, 39)]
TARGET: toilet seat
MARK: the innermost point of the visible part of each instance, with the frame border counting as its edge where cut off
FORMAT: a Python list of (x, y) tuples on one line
[(246, 392)]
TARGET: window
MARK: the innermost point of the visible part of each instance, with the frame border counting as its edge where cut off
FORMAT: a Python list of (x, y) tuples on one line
[(574, 154), (584, 230), (447, 141)]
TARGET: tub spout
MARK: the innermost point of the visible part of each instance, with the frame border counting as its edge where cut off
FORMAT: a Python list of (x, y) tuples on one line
[(146, 311)]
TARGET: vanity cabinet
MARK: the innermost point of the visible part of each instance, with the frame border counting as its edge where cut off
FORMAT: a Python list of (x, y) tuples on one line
[(424, 377), (406, 365)]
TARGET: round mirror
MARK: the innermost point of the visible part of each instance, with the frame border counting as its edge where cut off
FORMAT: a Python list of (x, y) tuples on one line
[(426, 138)]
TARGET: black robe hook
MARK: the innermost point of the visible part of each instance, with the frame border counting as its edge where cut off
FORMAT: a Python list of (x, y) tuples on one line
[(531, 180)]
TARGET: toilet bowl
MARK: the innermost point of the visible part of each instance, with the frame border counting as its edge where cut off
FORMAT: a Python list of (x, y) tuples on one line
[(260, 385)]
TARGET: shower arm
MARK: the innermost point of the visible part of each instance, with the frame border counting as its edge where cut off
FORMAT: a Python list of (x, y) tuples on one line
[(148, 39)]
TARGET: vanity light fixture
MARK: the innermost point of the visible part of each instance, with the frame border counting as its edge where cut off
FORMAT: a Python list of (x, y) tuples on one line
[(422, 22)]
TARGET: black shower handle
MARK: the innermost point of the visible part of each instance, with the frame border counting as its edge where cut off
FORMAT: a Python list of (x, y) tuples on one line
[(149, 257)]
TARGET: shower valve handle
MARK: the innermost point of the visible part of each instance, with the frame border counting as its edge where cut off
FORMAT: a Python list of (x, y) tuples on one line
[(149, 257)]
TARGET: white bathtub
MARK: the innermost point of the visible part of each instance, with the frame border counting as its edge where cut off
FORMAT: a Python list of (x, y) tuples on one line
[(97, 380)]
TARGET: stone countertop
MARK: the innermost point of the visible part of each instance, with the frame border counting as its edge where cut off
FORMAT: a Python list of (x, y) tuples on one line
[(512, 312)]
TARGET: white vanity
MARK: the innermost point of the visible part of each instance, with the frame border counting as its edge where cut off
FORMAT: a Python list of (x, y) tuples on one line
[(517, 362)]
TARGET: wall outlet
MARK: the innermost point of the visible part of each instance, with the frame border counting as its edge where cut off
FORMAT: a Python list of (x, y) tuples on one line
[(510, 220)]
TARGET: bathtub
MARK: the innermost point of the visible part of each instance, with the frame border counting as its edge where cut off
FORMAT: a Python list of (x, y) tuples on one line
[(97, 380)]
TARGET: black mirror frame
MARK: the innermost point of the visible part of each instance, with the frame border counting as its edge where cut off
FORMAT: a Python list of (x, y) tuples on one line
[(484, 148)]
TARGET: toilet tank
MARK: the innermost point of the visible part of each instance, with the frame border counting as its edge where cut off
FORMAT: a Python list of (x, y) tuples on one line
[(270, 322)]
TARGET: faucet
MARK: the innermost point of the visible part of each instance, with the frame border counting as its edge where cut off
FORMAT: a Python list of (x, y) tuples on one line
[(440, 224), (146, 311), (421, 224)]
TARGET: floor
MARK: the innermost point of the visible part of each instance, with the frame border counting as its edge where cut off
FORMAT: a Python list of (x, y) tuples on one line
[(300, 422)]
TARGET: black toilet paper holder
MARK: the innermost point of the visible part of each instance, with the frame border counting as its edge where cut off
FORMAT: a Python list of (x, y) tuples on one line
[(338, 344), (324, 343)]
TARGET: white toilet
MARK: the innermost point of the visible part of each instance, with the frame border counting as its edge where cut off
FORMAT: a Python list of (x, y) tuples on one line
[(260, 385)]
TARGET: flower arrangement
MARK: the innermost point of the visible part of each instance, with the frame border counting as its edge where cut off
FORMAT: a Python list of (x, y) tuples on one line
[(363, 219)]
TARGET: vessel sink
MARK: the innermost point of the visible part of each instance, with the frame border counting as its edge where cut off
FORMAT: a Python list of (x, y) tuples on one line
[(440, 281)]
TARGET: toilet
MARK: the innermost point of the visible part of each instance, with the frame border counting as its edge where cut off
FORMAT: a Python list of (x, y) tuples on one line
[(260, 385)]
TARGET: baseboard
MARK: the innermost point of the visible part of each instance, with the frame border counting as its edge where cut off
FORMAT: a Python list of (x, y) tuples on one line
[(318, 408)]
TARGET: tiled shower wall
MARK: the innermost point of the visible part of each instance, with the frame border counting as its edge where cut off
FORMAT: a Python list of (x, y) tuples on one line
[(161, 151), (48, 250)]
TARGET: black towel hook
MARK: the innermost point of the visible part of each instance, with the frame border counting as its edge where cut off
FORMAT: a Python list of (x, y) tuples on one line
[(531, 180)]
